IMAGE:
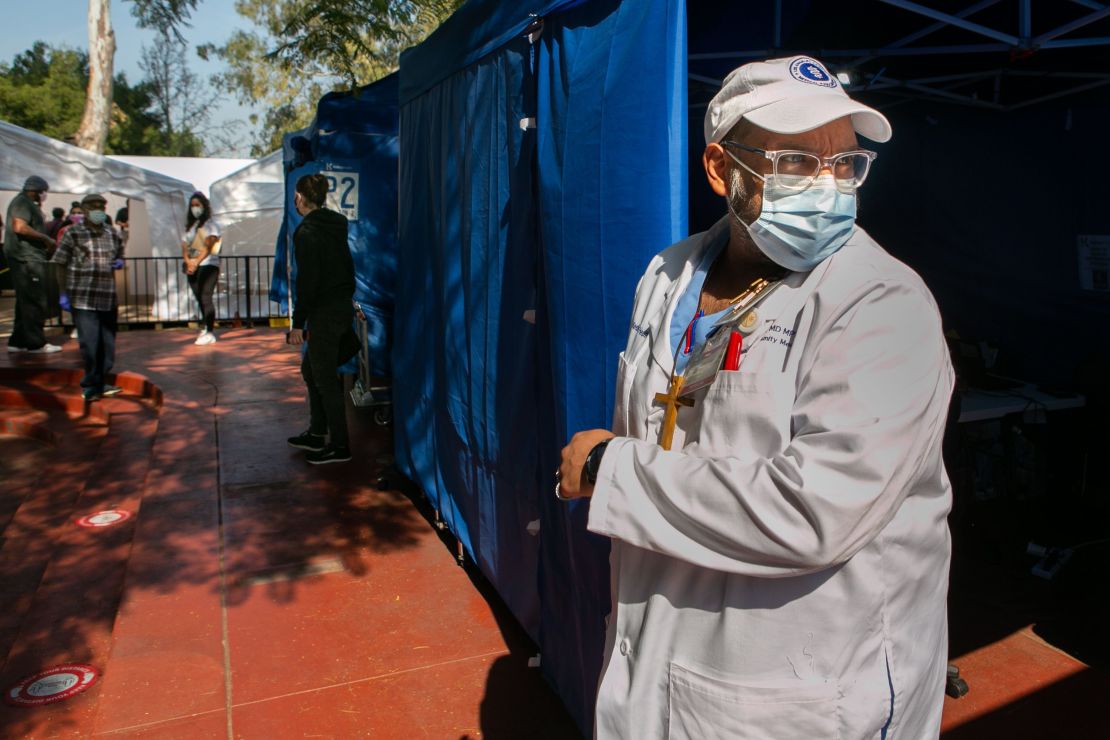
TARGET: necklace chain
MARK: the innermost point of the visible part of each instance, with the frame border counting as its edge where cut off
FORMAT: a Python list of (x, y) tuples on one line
[(756, 287)]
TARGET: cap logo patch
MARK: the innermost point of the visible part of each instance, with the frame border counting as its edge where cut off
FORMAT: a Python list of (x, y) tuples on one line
[(811, 72)]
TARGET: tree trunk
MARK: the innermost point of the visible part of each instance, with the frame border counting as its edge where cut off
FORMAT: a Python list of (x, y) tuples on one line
[(93, 132)]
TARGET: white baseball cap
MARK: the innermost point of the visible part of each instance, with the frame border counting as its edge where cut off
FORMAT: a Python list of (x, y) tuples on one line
[(788, 96)]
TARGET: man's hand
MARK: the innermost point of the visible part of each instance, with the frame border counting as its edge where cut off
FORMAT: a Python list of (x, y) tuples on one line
[(295, 337), (117, 263), (572, 479)]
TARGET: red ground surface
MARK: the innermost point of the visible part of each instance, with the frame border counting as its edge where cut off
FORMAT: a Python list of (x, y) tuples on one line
[(254, 596)]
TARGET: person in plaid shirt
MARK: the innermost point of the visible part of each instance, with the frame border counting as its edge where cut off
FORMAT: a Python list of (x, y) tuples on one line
[(90, 251)]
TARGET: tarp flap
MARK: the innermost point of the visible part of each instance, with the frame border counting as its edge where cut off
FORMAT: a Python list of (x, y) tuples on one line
[(489, 399), (465, 417), (612, 184)]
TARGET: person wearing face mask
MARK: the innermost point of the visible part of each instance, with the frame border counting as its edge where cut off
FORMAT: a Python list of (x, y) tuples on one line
[(200, 256), (773, 486), (76, 216), (323, 313), (27, 247), (89, 253)]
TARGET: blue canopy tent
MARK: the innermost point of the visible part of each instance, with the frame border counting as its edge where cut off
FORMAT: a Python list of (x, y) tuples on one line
[(353, 142), (546, 157), (519, 255)]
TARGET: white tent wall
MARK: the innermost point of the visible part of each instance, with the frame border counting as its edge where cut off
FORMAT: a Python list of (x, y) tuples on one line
[(249, 205), (157, 202), (200, 171), (138, 244), (71, 170)]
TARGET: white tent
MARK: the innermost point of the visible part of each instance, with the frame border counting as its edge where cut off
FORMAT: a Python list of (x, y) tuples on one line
[(157, 202), (249, 206), (201, 171)]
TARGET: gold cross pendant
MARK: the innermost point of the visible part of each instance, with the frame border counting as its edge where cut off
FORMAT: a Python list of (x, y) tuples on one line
[(670, 417)]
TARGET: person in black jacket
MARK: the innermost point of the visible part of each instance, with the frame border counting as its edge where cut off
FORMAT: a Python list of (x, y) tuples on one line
[(322, 307)]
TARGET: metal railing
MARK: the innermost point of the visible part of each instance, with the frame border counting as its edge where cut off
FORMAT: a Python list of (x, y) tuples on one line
[(155, 290)]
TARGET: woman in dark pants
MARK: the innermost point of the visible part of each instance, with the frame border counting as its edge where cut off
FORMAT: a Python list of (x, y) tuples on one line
[(199, 249), (323, 309)]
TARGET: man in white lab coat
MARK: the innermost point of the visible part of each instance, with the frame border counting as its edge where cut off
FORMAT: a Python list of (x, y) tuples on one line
[(781, 571)]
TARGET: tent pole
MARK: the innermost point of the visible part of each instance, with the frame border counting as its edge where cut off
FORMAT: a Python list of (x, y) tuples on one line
[(953, 20)]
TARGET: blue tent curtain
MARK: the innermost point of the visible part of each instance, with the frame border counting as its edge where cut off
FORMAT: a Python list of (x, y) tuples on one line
[(503, 225), (612, 188), (295, 151), (465, 340)]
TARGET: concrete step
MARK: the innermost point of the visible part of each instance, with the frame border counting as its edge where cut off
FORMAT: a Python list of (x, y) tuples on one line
[(34, 382), (63, 583), (28, 423)]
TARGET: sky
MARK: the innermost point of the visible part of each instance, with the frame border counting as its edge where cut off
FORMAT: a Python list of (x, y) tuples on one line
[(62, 23)]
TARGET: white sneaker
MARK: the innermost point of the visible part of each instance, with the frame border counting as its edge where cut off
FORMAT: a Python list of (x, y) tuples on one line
[(206, 337), (45, 349)]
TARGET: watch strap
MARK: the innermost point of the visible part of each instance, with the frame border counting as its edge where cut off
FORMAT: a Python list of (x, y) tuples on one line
[(593, 461)]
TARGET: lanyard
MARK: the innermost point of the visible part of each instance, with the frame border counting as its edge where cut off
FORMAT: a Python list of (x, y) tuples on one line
[(703, 367)]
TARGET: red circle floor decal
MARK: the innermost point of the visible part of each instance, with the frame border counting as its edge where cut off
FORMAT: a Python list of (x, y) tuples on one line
[(54, 684), (104, 518)]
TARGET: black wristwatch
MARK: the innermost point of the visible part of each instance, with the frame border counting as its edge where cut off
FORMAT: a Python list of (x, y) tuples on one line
[(593, 461)]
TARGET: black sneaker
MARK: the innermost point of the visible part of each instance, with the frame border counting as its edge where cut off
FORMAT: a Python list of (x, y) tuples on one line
[(308, 441), (330, 454), (90, 394)]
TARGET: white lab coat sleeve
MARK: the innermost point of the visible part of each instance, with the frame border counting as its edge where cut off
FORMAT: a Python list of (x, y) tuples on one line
[(871, 405)]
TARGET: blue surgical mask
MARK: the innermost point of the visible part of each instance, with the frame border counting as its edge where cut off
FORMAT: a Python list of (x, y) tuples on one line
[(98, 217), (799, 229)]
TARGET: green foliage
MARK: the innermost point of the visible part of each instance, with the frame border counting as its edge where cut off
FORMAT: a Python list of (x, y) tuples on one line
[(353, 37), (166, 16), (43, 89), (279, 121), (303, 49)]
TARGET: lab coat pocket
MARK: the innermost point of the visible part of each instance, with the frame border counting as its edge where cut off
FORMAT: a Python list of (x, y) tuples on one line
[(744, 415), (704, 708)]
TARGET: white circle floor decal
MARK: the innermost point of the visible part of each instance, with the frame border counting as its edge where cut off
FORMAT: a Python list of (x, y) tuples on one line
[(104, 518), (54, 684)]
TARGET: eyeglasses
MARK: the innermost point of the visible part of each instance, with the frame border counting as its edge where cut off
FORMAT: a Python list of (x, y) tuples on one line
[(796, 170)]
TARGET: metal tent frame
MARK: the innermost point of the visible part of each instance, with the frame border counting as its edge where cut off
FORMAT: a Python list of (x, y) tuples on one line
[(988, 87)]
